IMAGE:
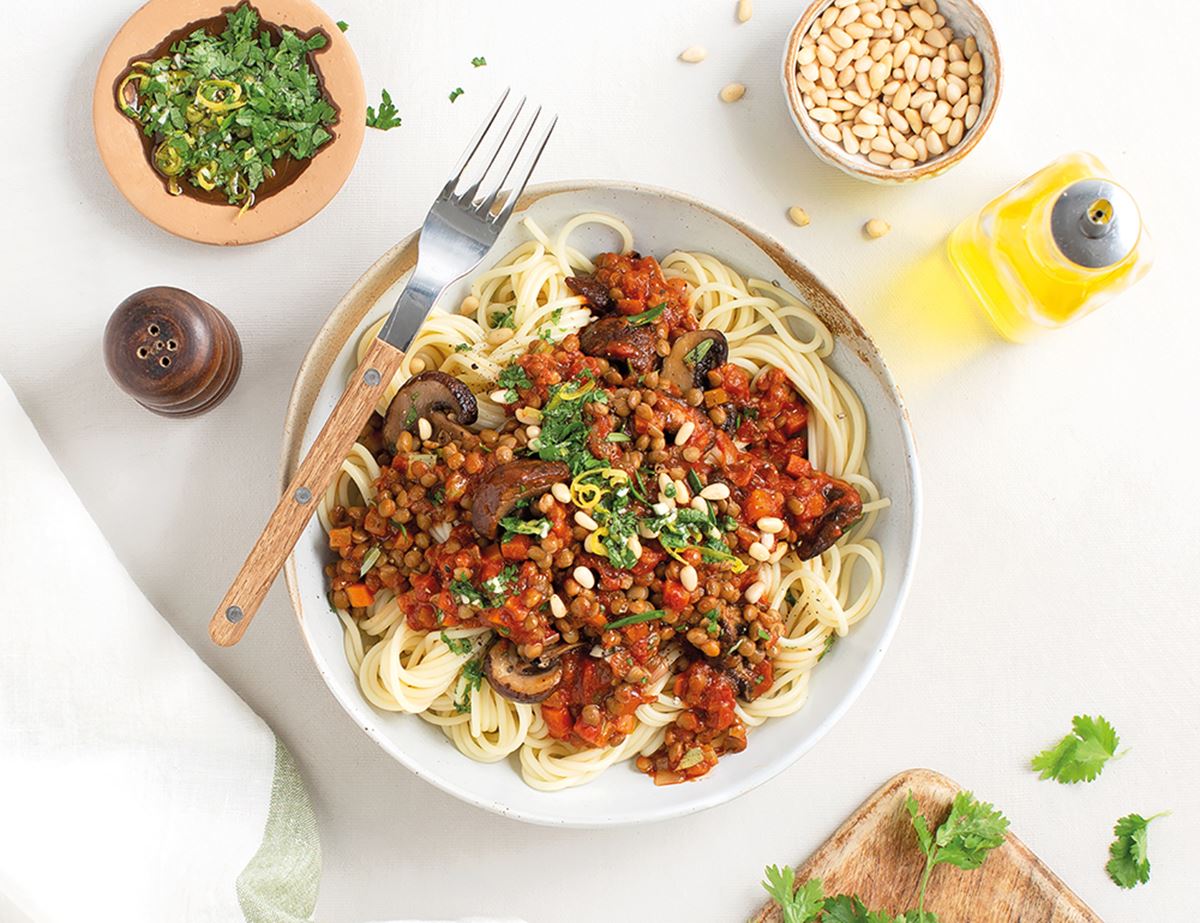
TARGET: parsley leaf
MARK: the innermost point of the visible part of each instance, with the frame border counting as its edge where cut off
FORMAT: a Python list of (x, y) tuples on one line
[(456, 93), (505, 318), (1081, 755), (479, 62), (458, 646), (848, 908), (647, 317), (511, 379), (386, 118), (343, 25), (973, 829), (462, 347), (1129, 865), (799, 905)]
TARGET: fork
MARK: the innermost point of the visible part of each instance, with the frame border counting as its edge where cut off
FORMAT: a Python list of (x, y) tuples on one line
[(459, 230)]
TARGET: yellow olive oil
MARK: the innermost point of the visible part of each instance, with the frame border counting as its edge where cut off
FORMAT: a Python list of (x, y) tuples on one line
[(1053, 248)]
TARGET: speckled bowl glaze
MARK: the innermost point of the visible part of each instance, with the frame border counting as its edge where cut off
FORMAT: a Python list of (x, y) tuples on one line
[(119, 137), (661, 221), (965, 17)]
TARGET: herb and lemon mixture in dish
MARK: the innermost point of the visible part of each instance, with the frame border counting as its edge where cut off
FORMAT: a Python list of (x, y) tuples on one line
[(611, 510), (227, 113)]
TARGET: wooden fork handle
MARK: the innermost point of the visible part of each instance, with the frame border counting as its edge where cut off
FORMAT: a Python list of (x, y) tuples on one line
[(318, 469)]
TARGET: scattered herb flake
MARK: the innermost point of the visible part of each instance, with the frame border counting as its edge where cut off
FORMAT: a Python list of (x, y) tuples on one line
[(343, 25), (456, 93), (479, 62), (459, 646), (386, 118), (799, 905)]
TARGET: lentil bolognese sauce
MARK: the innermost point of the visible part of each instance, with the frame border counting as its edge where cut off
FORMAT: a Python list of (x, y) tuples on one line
[(597, 526)]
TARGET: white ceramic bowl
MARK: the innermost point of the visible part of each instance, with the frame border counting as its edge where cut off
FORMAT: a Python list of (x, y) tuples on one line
[(661, 221)]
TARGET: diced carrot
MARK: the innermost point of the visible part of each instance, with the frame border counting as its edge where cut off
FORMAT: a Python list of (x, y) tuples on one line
[(340, 538), (360, 595), (798, 466)]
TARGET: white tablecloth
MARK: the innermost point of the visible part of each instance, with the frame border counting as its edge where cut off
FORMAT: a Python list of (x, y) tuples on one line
[(1061, 533)]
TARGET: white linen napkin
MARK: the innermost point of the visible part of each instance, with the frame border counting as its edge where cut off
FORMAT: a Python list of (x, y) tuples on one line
[(134, 784)]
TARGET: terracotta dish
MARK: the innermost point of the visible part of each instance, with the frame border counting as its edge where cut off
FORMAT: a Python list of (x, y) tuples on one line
[(120, 142)]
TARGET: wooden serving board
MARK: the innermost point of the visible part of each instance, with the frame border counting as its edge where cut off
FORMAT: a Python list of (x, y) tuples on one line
[(874, 854)]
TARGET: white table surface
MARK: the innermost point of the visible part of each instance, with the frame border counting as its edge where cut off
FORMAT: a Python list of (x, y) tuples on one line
[(1060, 544)]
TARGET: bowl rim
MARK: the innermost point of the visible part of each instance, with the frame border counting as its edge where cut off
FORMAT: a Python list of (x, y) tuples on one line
[(318, 363), (119, 142), (852, 164)]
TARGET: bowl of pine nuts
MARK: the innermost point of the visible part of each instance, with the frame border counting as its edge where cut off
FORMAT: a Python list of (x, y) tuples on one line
[(892, 91)]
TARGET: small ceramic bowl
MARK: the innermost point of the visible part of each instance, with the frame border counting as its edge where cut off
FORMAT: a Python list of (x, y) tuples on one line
[(120, 142), (965, 17)]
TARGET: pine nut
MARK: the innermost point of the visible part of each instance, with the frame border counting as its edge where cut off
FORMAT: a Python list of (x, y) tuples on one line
[(682, 494), (877, 227), (469, 305), (770, 524), (900, 163), (699, 504), (824, 114), (768, 541), (557, 607), (583, 519), (584, 577), (697, 53), (954, 135), (500, 397), (689, 578), (745, 10), (732, 93), (972, 115), (799, 217), (528, 415), (755, 592), (920, 18), (685, 432), (840, 37), (561, 492), (759, 551), (424, 429), (716, 491)]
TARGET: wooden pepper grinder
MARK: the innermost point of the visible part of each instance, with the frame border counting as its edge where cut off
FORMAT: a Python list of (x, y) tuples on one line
[(171, 352)]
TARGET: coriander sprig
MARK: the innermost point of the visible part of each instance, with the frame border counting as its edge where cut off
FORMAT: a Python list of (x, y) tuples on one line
[(1082, 754), (1129, 865)]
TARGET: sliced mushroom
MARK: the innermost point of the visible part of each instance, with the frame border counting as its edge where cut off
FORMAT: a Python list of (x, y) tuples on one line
[(690, 361), (505, 485), (520, 680), (591, 288), (616, 338), (424, 395), (844, 508)]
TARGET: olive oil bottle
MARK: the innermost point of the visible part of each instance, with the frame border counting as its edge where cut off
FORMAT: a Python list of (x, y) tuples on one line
[(1053, 248)]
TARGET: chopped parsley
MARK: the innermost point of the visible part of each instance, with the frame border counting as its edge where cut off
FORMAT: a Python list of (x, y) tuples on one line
[(514, 525), (464, 590), (343, 25), (481, 61), (505, 318), (647, 317), (369, 560), (470, 680), (462, 347), (694, 355), (564, 435), (456, 93), (457, 646), (490, 594), (647, 616), (714, 626), (222, 110), (386, 117)]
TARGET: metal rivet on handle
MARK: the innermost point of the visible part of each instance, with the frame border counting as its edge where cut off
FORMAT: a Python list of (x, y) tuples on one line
[(234, 614), (302, 495), (372, 377)]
